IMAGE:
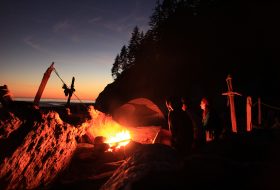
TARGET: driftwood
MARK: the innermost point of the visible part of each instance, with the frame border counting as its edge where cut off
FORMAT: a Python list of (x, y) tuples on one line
[(146, 166)]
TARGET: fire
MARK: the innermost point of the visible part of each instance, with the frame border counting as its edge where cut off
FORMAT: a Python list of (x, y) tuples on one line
[(118, 140), (116, 135)]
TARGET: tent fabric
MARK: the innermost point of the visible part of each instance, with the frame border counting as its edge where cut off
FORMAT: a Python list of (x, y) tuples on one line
[(139, 112)]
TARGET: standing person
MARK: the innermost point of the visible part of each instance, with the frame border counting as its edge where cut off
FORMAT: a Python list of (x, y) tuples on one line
[(211, 123), (196, 123), (180, 126)]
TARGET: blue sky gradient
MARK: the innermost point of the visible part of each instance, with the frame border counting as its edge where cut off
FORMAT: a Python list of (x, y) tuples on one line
[(81, 37)]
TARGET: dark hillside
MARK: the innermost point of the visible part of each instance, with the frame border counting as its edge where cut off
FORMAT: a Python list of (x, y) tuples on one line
[(191, 52)]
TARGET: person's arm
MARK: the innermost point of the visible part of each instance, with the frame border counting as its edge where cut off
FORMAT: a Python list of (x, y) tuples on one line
[(172, 123)]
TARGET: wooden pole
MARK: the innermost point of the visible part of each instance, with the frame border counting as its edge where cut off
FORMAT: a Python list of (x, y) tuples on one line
[(259, 112), (230, 95), (71, 90), (42, 86), (249, 113)]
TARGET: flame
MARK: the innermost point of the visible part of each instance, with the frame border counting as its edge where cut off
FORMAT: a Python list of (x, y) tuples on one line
[(118, 140), (104, 125)]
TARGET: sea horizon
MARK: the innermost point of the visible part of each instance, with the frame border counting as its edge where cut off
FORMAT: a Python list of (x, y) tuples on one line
[(53, 100), (49, 102)]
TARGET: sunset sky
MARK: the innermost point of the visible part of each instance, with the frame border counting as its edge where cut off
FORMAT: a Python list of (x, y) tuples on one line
[(82, 38)]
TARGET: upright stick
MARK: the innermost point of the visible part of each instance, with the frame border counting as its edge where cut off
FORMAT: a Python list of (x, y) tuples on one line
[(259, 112), (43, 84), (230, 95), (249, 113), (70, 92)]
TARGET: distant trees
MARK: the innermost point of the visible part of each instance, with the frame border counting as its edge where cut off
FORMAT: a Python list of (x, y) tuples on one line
[(192, 45), (116, 68), (139, 41), (120, 64), (134, 45), (127, 56), (162, 12)]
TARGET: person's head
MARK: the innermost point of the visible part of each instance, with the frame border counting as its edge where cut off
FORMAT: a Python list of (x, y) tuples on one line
[(184, 104), (204, 103), (168, 104), (176, 103), (68, 111)]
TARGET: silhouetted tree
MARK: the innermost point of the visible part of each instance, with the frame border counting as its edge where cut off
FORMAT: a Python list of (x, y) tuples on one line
[(116, 68), (134, 45), (124, 58), (121, 63), (161, 13)]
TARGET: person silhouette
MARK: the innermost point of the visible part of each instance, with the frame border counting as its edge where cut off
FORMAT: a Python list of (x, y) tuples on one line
[(211, 123), (196, 122), (180, 126)]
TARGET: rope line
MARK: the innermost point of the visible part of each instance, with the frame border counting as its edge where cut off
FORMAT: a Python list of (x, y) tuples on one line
[(272, 107), (68, 87), (267, 105), (254, 104)]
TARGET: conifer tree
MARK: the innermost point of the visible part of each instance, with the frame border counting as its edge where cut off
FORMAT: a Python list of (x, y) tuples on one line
[(123, 59), (134, 45), (116, 68)]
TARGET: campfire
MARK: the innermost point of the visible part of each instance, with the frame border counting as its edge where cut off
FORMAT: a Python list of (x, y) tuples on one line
[(109, 135), (119, 140)]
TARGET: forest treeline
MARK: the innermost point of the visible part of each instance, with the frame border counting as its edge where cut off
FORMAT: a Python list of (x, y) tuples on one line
[(139, 42), (192, 45)]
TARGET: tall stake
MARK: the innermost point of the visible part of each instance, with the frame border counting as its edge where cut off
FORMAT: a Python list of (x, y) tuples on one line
[(259, 112), (230, 95), (43, 84), (249, 113), (69, 91)]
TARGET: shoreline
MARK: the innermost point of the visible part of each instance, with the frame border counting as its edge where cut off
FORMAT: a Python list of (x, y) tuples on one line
[(52, 100)]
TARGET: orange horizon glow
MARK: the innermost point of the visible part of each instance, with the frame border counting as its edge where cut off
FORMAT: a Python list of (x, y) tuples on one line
[(51, 92), (24, 82), (80, 45), (58, 94), (84, 89)]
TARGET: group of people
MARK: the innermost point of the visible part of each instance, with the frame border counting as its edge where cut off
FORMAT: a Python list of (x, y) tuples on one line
[(186, 131)]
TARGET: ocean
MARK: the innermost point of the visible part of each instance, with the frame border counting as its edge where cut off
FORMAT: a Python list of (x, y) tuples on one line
[(53, 102)]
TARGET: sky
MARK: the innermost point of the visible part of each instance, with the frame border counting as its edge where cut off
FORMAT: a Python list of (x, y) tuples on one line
[(81, 37)]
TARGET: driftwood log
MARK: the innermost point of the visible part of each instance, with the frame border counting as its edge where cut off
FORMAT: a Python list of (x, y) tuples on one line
[(148, 166)]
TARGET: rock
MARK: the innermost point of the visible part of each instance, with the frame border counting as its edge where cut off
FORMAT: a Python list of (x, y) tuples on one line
[(148, 167), (41, 153)]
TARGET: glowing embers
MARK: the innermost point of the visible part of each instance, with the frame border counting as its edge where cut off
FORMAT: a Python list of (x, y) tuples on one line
[(112, 142), (118, 140), (111, 136), (108, 134)]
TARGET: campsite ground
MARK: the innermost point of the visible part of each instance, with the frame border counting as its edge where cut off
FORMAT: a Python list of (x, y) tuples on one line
[(247, 160)]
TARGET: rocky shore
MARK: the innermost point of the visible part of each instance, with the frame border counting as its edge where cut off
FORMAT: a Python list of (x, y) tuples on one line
[(40, 150)]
